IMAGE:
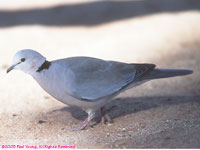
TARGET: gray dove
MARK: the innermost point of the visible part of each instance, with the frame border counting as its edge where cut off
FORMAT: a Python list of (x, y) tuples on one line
[(85, 82)]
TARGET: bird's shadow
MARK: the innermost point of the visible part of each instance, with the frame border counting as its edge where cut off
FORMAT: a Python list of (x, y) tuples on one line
[(124, 106)]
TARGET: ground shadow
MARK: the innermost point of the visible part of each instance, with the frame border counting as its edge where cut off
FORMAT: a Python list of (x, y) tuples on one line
[(124, 106), (93, 13)]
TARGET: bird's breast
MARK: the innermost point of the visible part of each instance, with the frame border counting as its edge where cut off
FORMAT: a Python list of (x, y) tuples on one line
[(53, 81)]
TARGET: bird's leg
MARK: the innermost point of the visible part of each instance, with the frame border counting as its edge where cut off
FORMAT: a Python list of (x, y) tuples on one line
[(84, 124), (104, 116), (91, 115)]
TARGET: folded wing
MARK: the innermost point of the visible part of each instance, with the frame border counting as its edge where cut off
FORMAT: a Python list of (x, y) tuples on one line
[(96, 78)]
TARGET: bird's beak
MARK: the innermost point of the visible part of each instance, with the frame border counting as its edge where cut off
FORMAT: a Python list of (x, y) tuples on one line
[(11, 68)]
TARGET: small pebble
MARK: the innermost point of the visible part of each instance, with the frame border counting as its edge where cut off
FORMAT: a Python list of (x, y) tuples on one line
[(46, 97), (5, 66), (41, 121)]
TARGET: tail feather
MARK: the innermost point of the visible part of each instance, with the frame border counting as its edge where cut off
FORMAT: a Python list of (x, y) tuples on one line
[(167, 73)]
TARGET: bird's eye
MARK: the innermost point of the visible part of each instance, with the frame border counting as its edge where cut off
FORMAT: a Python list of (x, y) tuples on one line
[(23, 59)]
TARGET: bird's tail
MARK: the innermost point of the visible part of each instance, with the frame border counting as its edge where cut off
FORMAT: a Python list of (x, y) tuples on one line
[(167, 73)]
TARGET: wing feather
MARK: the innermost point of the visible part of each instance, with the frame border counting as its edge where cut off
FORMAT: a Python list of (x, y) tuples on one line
[(96, 78)]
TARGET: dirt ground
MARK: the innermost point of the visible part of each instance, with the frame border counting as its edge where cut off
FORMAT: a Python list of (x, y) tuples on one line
[(159, 114)]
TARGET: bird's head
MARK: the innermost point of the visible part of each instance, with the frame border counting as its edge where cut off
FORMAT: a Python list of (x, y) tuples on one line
[(27, 60)]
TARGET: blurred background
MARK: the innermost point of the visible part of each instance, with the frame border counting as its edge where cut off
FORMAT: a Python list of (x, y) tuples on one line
[(164, 32)]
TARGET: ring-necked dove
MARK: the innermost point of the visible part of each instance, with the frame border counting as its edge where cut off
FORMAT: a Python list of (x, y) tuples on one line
[(87, 83)]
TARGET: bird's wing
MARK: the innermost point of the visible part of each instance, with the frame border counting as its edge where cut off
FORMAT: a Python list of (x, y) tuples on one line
[(95, 78)]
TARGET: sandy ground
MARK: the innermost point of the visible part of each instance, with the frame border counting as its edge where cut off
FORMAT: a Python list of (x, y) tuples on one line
[(159, 114)]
